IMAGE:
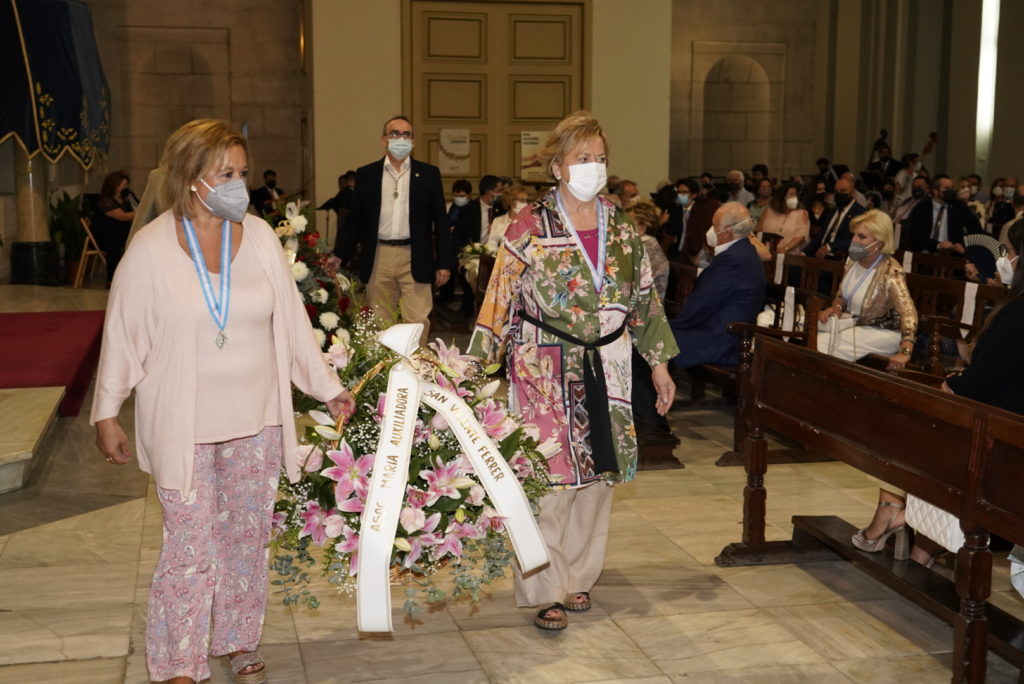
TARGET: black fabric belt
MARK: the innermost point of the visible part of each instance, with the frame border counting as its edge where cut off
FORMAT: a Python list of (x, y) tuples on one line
[(596, 398), (395, 243)]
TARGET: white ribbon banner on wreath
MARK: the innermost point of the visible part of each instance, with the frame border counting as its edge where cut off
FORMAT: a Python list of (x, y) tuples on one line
[(388, 480)]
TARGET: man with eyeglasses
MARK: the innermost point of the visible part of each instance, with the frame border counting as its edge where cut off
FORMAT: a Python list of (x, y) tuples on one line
[(399, 220)]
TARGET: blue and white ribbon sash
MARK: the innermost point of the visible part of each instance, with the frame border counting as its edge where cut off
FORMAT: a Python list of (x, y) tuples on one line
[(218, 309)]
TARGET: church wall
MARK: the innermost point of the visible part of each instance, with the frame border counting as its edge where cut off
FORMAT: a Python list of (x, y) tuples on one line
[(630, 68), (167, 63), (781, 38)]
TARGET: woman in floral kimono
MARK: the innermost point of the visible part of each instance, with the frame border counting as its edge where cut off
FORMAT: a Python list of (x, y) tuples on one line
[(570, 293)]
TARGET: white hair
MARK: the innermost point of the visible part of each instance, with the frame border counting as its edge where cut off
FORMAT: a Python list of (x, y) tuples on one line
[(743, 176)]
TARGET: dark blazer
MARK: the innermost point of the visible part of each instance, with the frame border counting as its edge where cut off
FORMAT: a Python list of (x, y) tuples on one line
[(467, 226), (730, 289), (428, 226), (261, 199), (694, 239), (842, 238), (960, 221)]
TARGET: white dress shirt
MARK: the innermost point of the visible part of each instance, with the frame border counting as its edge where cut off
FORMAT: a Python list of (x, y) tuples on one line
[(394, 201), (485, 221)]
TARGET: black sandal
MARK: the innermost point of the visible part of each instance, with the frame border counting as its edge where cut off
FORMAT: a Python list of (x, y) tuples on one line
[(549, 623), (576, 605)]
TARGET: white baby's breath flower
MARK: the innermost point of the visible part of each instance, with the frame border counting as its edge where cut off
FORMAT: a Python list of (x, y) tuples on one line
[(299, 271), (320, 336), (329, 320)]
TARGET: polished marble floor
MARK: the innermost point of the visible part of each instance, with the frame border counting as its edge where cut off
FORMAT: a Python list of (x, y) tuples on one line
[(78, 546)]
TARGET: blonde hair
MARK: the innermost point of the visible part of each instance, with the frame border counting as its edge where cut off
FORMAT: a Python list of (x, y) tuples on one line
[(879, 225), (191, 152), (509, 194), (645, 213), (570, 132)]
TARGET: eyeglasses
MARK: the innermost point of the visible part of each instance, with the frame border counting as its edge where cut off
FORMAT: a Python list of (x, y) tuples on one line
[(394, 135)]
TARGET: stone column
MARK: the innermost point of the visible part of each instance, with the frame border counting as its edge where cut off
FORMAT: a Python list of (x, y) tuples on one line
[(33, 254)]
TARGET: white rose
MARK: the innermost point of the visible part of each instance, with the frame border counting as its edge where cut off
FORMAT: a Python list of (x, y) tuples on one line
[(329, 320), (320, 336), (412, 519), (299, 271)]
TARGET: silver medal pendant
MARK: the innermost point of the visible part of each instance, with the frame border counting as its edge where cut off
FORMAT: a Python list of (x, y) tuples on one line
[(221, 339)]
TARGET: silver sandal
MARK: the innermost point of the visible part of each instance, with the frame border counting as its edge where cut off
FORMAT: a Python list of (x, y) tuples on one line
[(244, 660)]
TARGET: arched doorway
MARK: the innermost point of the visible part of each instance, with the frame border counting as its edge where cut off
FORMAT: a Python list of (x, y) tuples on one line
[(737, 115)]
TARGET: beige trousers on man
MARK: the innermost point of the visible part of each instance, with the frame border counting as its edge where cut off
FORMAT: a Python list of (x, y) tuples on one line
[(574, 524), (392, 289)]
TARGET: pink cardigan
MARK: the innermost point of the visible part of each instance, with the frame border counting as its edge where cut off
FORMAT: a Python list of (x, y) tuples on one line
[(149, 346)]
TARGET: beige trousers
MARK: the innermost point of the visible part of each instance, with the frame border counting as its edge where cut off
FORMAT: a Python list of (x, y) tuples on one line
[(574, 524), (392, 289)]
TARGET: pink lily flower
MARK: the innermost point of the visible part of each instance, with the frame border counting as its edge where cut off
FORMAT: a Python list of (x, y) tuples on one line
[(494, 418), (314, 527), (442, 381), (416, 498), (444, 480), (333, 525), (277, 521), (349, 545), (451, 545), (490, 520), (421, 541), (464, 529), (453, 361), (348, 471), (353, 504)]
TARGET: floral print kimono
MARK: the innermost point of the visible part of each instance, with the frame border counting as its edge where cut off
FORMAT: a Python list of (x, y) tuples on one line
[(543, 271)]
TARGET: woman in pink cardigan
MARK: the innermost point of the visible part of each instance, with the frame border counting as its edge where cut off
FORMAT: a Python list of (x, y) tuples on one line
[(205, 323)]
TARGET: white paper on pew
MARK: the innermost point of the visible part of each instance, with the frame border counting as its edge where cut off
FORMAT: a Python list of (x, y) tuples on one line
[(788, 310), (780, 264), (970, 302), (908, 261)]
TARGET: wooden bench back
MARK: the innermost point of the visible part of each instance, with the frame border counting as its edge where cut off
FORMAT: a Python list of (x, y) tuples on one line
[(937, 265), (961, 455), (681, 279), (811, 272)]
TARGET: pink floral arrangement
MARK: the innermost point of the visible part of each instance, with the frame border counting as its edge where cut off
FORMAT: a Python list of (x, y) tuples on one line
[(446, 518)]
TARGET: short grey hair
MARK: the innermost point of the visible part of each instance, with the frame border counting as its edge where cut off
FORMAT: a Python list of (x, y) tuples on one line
[(743, 176)]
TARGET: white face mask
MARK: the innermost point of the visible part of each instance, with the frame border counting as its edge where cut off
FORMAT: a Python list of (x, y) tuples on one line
[(997, 191), (1004, 266), (399, 147), (1008, 192), (586, 180), (792, 202), (974, 190), (460, 201), (712, 237)]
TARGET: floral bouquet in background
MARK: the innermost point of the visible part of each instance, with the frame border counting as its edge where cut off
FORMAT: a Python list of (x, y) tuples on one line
[(327, 292), (446, 519), (469, 259)]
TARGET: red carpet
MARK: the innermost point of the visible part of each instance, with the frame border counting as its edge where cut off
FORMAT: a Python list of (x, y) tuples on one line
[(52, 349)]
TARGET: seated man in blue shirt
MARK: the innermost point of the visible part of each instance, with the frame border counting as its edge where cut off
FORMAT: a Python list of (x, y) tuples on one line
[(730, 289)]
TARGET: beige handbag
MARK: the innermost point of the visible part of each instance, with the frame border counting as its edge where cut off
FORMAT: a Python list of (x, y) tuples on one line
[(941, 527)]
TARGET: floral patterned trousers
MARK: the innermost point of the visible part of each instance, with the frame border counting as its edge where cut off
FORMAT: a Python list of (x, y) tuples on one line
[(213, 564)]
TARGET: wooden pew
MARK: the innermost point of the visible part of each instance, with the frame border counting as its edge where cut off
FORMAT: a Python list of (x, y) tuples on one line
[(811, 272), (937, 265), (960, 455), (681, 279)]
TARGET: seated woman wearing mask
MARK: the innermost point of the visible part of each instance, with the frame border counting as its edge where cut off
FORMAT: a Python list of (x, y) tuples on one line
[(785, 217), (995, 376), (873, 312), (514, 197)]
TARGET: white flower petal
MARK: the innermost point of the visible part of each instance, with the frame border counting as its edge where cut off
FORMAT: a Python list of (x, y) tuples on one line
[(321, 418)]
